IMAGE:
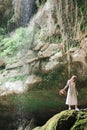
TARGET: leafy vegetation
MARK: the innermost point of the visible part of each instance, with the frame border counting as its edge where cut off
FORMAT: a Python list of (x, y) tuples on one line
[(74, 43), (83, 9), (53, 79), (52, 39), (11, 43), (40, 2), (16, 41)]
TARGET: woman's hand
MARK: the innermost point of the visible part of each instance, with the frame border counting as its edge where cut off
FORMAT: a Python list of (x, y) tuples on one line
[(62, 92)]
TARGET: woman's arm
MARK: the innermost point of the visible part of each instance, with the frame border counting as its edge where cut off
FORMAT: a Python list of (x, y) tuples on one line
[(67, 85)]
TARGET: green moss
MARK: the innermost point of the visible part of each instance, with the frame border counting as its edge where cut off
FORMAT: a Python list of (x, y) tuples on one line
[(81, 123), (56, 122), (66, 120)]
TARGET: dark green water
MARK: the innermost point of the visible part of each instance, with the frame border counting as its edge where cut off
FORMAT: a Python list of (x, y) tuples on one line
[(18, 110)]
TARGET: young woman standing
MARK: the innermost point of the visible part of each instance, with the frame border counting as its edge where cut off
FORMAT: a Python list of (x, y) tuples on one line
[(72, 93)]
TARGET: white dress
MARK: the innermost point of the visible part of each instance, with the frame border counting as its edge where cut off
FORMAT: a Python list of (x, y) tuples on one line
[(71, 98)]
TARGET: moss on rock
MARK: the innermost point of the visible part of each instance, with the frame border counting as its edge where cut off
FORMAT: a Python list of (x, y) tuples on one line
[(66, 120), (81, 122)]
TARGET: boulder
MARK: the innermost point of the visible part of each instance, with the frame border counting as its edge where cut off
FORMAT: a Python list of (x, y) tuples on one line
[(52, 65), (32, 80), (11, 88), (49, 51), (80, 56), (39, 46), (44, 18), (2, 63), (66, 120), (56, 56)]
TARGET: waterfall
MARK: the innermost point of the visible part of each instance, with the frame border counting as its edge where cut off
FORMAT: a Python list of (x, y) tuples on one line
[(23, 11), (28, 9)]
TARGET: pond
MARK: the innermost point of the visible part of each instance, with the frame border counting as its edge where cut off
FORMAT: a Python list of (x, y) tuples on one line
[(31, 109)]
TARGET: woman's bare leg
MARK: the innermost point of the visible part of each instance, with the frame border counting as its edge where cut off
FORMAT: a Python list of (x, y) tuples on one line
[(69, 107)]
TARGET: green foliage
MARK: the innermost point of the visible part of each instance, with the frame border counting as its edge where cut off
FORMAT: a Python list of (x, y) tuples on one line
[(52, 39), (20, 39), (84, 21), (11, 43), (40, 2), (2, 31), (74, 43), (83, 9), (53, 79)]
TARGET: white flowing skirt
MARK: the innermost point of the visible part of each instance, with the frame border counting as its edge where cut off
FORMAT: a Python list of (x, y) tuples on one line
[(71, 97)]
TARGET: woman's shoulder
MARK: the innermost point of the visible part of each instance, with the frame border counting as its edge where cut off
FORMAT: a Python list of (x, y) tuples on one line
[(68, 82)]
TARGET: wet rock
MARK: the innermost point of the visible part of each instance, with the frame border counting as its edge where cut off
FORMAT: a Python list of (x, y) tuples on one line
[(32, 80), (67, 120), (39, 46), (11, 88), (49, 51)]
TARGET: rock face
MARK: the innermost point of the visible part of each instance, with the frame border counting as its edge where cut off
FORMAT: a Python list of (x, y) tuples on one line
[(67, 120), (32, 80), (49, 50), (57, 51), (54, 48), (11, 88)]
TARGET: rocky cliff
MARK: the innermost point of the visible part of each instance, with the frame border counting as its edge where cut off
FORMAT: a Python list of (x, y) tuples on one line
[(52, 46), (37, 60)]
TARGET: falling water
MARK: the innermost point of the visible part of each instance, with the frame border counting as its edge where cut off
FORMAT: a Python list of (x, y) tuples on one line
[(23, 11), (28, 9)]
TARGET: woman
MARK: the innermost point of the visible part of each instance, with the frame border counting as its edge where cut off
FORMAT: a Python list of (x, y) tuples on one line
[(72, 93)]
